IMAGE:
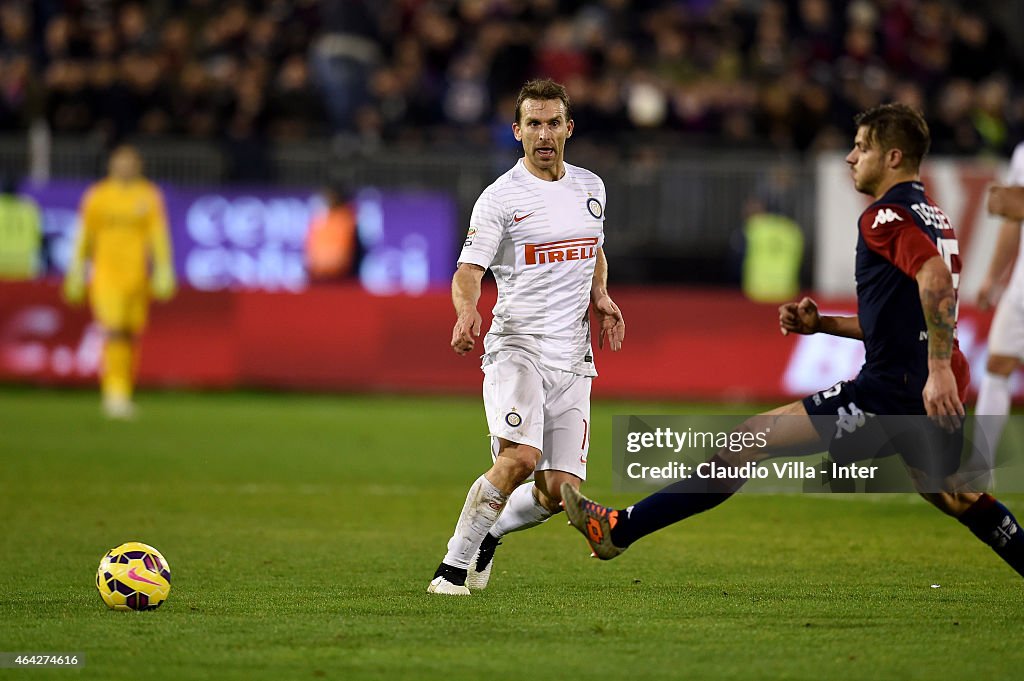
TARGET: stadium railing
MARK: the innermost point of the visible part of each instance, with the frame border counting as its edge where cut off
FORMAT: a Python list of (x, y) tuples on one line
[(676, 211)]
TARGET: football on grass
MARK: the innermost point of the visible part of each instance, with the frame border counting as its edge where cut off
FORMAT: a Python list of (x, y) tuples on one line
[(133, 576)]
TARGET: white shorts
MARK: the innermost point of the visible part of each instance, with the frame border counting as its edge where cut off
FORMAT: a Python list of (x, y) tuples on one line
[(544, 408), (1006, 337)]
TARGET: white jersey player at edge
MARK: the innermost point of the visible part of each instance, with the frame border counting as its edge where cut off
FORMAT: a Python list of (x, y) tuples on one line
[(540, 229), (1006, 337)]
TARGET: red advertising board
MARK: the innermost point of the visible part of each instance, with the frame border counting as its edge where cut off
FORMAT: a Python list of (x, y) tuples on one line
[(680, 343)]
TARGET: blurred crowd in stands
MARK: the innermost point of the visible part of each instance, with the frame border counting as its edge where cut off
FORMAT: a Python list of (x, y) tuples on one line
[(739, 73)]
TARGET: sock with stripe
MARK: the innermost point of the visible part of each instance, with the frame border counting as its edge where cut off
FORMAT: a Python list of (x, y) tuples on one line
[(992, 523)]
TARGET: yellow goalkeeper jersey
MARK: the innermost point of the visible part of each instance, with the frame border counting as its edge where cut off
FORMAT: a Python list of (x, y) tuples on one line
[(123, 224)]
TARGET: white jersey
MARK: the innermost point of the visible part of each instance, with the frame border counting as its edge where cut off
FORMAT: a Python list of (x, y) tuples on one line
[(540, 239), (1006, 335), (1015, 177)]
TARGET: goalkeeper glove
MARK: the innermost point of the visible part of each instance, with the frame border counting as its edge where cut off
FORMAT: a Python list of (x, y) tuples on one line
[(163, 283)]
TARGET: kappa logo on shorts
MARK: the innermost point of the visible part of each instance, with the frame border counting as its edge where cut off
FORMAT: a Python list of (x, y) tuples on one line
[(849, 421), (513, 419)]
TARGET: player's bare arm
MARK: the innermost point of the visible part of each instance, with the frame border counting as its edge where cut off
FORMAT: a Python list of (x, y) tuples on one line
[(613, 327), (804, 318), (938, 300), (1007, 202), (465, 295), (1003, 258)]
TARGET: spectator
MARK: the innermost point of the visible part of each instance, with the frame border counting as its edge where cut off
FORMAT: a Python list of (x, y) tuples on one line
[(343, 57), (15, 91), (332, 243), (15, 33), (779, 74)]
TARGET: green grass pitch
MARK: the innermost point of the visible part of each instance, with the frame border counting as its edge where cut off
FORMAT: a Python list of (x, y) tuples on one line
[(303, 530)]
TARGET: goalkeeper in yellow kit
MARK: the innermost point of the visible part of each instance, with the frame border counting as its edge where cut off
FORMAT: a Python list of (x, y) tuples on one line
[(124, 235)]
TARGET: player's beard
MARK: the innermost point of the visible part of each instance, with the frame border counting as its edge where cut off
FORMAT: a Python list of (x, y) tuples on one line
[(866, 183)]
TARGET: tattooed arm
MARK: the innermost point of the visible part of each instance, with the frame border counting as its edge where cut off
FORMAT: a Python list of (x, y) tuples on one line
[(938, 300)]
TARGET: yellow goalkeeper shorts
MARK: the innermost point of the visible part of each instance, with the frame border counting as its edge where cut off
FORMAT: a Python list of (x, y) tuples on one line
[(120, 311)]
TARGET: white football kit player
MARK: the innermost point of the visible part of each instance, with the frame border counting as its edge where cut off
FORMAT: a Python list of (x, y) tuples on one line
[(1006, 337), (540, 239)]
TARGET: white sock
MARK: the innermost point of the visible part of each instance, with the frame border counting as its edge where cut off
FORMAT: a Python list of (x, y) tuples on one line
[(483, 505), (990, 415), (522, 511)]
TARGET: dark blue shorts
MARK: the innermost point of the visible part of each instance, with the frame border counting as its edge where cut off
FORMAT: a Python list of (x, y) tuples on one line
[(859, 421)]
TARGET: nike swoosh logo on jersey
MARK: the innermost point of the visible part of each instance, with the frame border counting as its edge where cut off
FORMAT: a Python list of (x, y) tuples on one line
[(139, 578), (517, 218)]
